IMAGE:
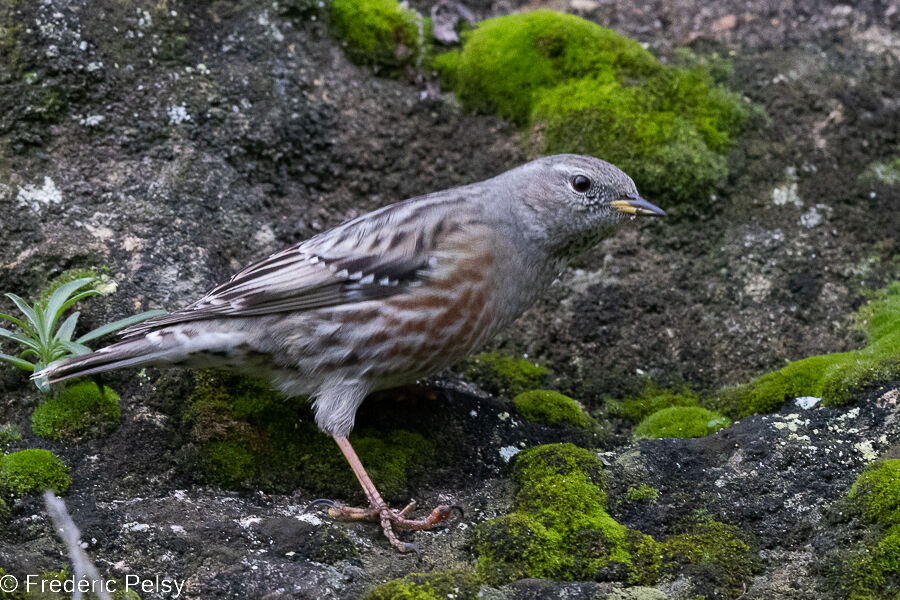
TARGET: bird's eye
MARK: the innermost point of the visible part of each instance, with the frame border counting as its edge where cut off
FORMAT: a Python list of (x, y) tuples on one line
[(581, 184)]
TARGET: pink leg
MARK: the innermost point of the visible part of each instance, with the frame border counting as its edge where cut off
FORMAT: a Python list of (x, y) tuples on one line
[(379, 510)]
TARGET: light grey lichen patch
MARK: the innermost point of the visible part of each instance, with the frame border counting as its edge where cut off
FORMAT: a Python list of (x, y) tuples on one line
[(38, 198), (787, 192), (178, 114)]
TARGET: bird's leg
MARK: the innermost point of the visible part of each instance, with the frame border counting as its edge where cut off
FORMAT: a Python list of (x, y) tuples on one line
[(379, 511)]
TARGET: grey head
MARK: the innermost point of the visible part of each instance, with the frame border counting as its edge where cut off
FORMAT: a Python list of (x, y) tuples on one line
[(569, 202)]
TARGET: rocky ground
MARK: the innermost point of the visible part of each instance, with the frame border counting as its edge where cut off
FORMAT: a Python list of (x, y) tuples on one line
[(174, 142)]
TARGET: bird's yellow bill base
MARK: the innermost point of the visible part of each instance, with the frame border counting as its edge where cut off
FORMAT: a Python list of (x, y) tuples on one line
[(637, 206)]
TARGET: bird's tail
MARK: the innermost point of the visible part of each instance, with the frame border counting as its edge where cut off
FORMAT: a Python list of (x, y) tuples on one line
[(127, 353)]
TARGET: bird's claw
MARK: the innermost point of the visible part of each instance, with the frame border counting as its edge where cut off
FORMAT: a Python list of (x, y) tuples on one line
[(317, 502)]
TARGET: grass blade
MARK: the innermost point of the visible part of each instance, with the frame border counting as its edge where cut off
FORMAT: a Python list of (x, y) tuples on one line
[(62, 293), (65, 331), (120, 324), (17, 337), (77, 297), (29, 312), (75, 348), (19, 322), (22, 364)]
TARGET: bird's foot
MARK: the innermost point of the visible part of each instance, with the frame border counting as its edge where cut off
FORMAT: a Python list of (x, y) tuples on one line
[(391, 519)]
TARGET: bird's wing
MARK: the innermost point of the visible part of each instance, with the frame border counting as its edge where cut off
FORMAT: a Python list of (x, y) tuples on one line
[(374, 256)]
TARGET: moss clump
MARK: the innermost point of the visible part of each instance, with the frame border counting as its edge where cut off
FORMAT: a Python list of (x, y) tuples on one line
[(9, 435), (550, 407), (579, 87), (440, 585), (80, 410), (713, 556), (559, 527), (642, 493), (681, 421), (836, 378), (872, 570), (376, 32), (250, 436), (31, 472), (504, 375), (877, 492), (654, 398), (102, 282)]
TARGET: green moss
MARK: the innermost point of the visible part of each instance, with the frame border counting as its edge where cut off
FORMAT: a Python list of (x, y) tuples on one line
[(250, 436), (31, 472), (559, 527), (9, 435), (579, 87), (439, 585), (654, 398), (877, 492), (836, 378), (80, 410), (550, 460), (102, 282), (504, 375), (642, 493), (550, 407), (376, 32), (516, 546), (873, 573), (713, 556), (871, 570), (681, 421)]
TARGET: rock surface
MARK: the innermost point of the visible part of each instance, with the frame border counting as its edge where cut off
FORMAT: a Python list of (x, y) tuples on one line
[(173, 143)]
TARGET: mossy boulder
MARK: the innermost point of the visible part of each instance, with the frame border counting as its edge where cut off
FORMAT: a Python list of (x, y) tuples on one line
[(551, 408), (31, 472), (681, 421), (871, 569), (559, 527), (504, 375), (877, 492), (380, 33), (836, 378), (578, 87), (716, 558), (250, 436), (81, 410), (458, 584)]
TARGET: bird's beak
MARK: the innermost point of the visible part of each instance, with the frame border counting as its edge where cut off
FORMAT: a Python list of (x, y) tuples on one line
[(637, 206)]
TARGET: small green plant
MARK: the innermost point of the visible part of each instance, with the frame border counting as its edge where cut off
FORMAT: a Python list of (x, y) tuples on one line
[(45, 339)]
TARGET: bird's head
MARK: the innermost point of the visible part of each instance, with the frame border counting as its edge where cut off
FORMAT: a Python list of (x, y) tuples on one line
[(578, 200)]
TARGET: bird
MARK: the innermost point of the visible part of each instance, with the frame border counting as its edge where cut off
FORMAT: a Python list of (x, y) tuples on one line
[(388, 298)]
